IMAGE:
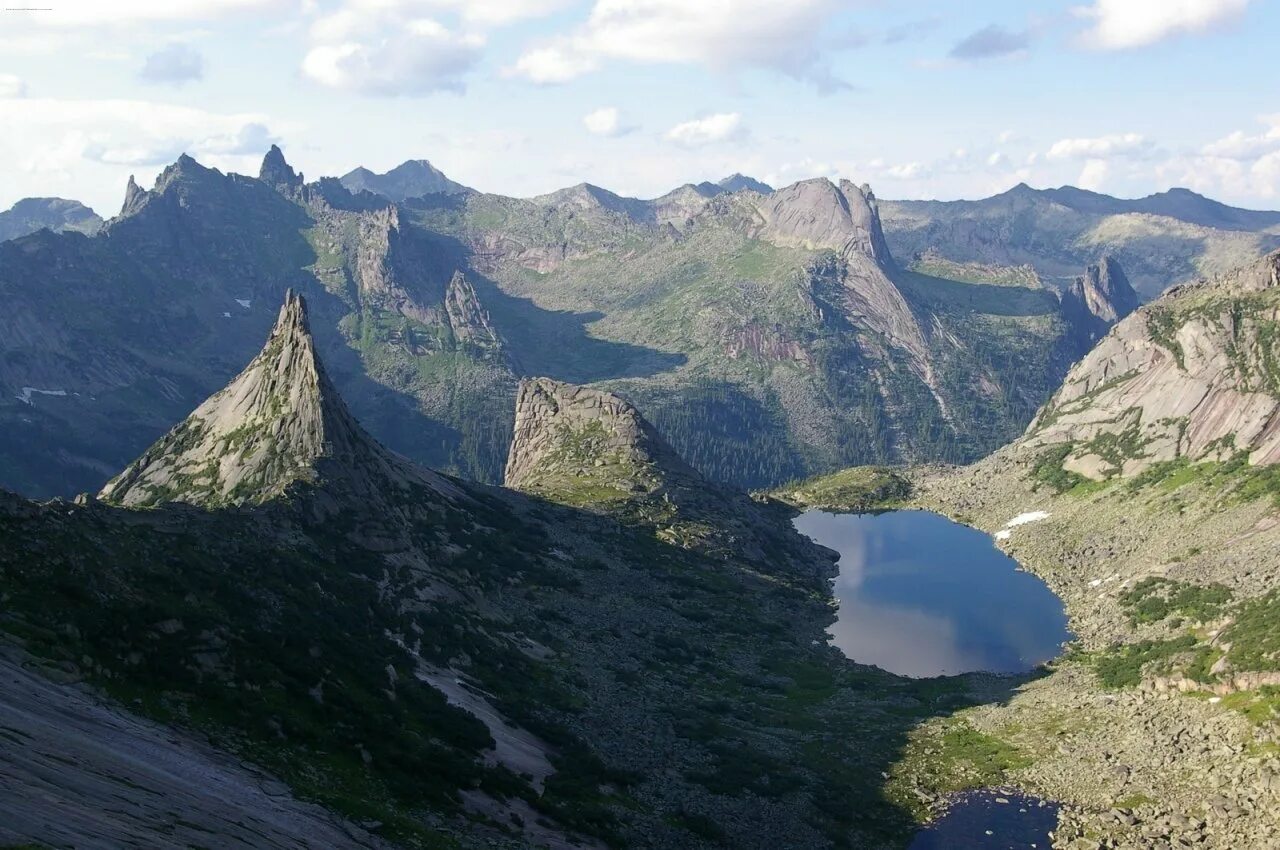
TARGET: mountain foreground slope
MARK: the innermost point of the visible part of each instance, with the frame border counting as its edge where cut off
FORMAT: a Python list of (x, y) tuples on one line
[(471, 667)]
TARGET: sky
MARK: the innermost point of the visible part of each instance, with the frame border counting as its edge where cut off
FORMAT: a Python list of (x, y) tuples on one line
[(920, 99)]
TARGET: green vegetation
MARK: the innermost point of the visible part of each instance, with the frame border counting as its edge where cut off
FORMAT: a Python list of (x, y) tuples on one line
[(1048, 470), (1154, 599), (861, 488), (1254, 634), (1123, 666)]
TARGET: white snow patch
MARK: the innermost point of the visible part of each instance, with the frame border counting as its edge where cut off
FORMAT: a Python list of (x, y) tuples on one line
[(27, 392), (1214, 700), (1023, 519), (226, 315), (244, 302), (1095, 582), (1003, 534)]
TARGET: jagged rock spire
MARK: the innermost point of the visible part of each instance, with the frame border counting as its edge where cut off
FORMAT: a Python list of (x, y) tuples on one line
[(277, 172), (134, 197), (280, 422), (1096, 300)]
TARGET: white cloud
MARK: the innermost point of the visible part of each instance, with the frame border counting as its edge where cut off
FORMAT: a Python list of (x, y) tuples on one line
[(704, 131), (1100, 147), (380, 51), (552, 65), (69, 146), (722, 35), (12, 85), (907, 171), (177, 64), (997, 159), (606, 121), (1120, 24), (1094, 174), (1246, 146)]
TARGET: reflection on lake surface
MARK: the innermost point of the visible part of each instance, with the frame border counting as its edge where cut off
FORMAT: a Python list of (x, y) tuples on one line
[(921, 595), (990, 820)]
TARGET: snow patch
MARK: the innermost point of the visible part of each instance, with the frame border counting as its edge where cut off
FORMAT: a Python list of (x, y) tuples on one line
[(1021, 519), (1095, 582), (244, 302), (27, 392), (226, 315)]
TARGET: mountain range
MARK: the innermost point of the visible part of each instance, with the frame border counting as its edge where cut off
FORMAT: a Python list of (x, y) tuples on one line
[(767, 336), (294, 630)]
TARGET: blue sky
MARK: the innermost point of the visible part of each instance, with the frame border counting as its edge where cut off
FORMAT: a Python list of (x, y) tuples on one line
[(920, 99)]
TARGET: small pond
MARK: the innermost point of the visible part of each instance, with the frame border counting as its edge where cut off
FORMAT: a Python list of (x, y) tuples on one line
[(923, 596), (990, 820)]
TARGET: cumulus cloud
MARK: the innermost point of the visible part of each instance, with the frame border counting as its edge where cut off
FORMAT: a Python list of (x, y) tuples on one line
[(387, 50), (723, 35), (1093, 176), (1246, 146), (1100, 147), (606, 121), (175, 64), (723, 126), (1121, 24), (50, 135), (12, 85), (990, 42)]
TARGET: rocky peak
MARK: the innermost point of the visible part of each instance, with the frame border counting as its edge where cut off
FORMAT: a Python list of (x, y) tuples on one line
[(276, 172), (134, 197), (410, 179), (578, 438), (818, 214), (278, 424), (1096, 300), (737, 182)]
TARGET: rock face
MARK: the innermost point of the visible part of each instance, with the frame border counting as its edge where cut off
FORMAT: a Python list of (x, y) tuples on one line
[(278, 173), (57, 214), (1096, 300), (116, 780), (279, 423), (1191, 375), (412, 179), (566, 431)]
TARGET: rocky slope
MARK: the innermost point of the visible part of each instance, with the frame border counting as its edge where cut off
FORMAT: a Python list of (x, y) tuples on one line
[(1168, 238), (1190, 377), (451, 664), (57, 214)]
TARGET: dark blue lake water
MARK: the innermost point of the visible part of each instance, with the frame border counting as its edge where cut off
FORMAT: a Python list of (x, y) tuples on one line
[(921, 596), (981, 821)]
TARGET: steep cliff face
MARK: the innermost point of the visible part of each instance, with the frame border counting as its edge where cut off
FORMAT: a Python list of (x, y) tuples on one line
[(1096, 300), (279, 423), (1194, 375)]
